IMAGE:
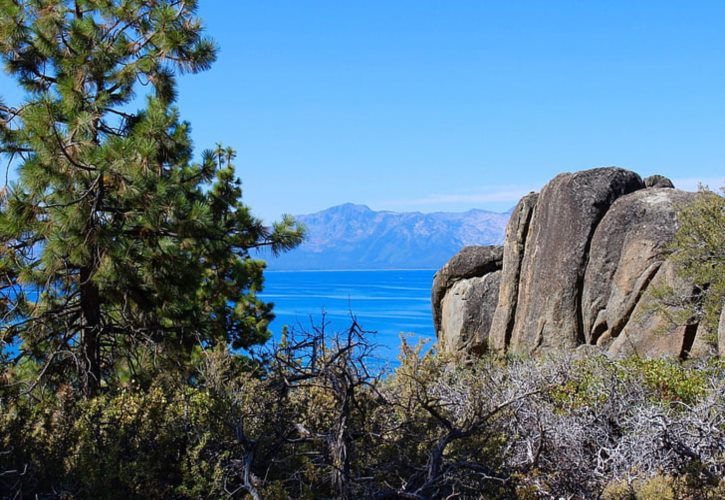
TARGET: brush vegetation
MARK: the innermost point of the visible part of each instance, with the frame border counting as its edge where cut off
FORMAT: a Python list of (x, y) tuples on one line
[(133, 361)]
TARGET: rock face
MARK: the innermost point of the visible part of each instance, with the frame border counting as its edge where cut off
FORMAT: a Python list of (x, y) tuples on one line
[(658, 181), (581, 265), (649, 332), (467, 311), (627, 253), (464, 298), (568, 210), (513, 254)]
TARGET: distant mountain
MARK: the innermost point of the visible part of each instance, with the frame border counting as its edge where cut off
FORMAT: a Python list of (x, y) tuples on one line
[(355, 237)]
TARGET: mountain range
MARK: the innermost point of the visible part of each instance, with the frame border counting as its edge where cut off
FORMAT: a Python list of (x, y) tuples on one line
[(355, 237)]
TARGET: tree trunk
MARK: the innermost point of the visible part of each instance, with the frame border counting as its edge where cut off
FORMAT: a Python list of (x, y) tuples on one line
[(91, 304), (90, 334)]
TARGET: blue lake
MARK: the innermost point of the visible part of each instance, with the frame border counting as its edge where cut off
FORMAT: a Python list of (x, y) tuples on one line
[(385, 302)]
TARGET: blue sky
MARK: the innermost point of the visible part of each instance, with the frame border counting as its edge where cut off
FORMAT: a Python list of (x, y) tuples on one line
[(422, 105)]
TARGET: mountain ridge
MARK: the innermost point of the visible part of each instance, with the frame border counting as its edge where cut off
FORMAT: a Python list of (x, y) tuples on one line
[(353, 236)]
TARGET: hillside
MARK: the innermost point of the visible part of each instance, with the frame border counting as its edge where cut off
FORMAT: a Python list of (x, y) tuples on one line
[(353, 236)]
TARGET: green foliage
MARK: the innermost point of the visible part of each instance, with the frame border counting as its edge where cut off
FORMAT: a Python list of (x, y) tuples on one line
[(662, 487), (668, 380), (699, 249), (133, 444), (589, 385), (113, 242), (595, 381), (126, 282), (514, 429)]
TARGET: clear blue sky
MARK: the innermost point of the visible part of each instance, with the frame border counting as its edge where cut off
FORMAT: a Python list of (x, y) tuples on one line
[(422, 105)]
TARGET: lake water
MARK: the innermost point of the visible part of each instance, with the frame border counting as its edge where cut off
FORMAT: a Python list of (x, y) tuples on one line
[(386, 302)]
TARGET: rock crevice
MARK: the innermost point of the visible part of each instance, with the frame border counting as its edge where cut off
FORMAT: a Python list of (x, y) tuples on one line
[(517, 232)]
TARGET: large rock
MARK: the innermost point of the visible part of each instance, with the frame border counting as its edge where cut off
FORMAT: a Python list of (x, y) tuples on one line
[(568, 210), (627, 250), (513, 254), (585, 265), (651, 331), (705, 345), (466, 314), (462, 291), (658, 181)]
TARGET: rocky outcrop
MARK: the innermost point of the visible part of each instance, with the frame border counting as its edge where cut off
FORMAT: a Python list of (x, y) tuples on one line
[(466, 313), (650, 332), (464, 298), (513, 254), (582, 264), (658, 181), (627, 252), (568, 210)]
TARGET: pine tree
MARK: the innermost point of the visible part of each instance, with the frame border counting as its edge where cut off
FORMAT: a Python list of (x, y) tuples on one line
[(699, 250), (114, 242)]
